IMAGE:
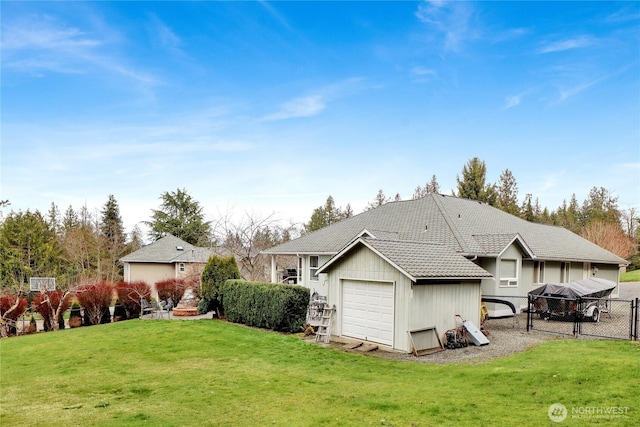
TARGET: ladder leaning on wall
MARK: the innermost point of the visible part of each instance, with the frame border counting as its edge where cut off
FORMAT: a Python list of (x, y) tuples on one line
[(324, 329)]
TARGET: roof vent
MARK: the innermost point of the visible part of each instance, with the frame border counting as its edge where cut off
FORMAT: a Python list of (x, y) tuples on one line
[(180, 248)]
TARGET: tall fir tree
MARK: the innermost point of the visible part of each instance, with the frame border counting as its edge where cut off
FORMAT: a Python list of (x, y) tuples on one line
[(507, 189), (112, 239), (473, 183)]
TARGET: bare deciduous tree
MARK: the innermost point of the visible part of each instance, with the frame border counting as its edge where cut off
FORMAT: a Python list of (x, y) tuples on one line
[(247, 237), (610, 237)]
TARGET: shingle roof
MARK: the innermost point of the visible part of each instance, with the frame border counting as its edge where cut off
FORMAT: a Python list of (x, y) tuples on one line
[(420, 260), (166, 250), (464, 226)]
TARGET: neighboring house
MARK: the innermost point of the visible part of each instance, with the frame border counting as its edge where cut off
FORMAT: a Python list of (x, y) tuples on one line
[(415, 264), (167, 258)]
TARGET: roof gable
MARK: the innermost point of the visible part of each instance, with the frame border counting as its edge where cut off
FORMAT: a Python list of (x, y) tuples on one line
[(169, 249), (416, 260)]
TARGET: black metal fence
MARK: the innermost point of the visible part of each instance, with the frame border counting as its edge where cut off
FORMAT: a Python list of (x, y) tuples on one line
[(604, 318), (587, 317)]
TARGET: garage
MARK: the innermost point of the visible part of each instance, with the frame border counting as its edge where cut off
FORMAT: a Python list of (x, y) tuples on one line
[(367, 311)]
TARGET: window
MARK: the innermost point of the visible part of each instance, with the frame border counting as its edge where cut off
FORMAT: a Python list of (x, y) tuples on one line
[(313, 267), (181, 266), (565, 269), (538, 272), (508, 272)]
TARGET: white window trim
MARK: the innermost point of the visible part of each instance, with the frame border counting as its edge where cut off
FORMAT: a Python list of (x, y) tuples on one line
[(538, 268), (313, 269), (181, 267), (509, 282), (565, 269)]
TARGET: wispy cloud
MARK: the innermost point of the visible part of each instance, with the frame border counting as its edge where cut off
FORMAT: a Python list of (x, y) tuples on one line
[(44, 34), (512, 101), (453, 20), (422, 74), (165, 36), (41, 44), (305, 106), (422, 71), (566, 44), (314, 103), (569, 92), (275, 14)]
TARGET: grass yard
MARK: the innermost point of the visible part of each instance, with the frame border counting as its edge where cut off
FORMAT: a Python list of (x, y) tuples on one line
[(211, 373), (630, 276)]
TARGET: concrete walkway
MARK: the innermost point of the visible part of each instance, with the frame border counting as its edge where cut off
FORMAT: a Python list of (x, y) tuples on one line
[(629, 290)]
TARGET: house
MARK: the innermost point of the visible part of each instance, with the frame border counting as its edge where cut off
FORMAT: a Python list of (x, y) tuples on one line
[(415, 264), (167, 258)]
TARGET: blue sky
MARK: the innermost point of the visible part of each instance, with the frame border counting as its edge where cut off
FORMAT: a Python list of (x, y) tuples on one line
[(269, 107)]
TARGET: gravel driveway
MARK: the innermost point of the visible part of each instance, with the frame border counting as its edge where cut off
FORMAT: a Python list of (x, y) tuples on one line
[(506, 336)]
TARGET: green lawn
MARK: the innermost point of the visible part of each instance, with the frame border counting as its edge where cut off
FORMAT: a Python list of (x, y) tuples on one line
[(211, 373), (630, 276)]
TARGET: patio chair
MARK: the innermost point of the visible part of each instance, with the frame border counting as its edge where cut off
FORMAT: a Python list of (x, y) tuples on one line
[(152, 308)]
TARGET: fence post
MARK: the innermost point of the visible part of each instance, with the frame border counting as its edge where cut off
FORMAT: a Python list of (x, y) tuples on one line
[(635, 316), (529, 305), (576, 319)]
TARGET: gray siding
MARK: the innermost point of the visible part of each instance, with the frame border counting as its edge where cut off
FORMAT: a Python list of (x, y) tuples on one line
[(437, 304), (363, 264), (415, 306)]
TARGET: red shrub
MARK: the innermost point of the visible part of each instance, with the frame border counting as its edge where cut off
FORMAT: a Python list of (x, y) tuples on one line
[(130, 294), (11, 311), (95, 299), (52, 306), (171, 288)]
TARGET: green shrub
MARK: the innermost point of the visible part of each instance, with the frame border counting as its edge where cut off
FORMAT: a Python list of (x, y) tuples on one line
[(266, 305), (215, 273), (203, 306)]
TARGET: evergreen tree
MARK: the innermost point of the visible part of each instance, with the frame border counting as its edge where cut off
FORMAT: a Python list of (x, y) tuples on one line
[(526, 212), (29, 249), (70, 220), (217, 271), (473, 186), (53, 218), (112, 238), (600, 206), (181, 216), (508, 193), (326, 215)]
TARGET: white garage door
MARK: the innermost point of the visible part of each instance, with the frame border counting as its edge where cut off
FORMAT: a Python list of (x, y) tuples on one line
[(367, 311)]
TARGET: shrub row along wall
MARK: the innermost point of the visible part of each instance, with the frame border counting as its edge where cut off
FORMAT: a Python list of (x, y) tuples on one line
[(266, 305)]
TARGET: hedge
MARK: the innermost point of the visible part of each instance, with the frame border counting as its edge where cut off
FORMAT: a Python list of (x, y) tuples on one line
[(266, 305)]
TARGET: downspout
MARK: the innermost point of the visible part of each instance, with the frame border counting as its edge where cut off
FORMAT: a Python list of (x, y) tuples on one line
[(274, 278)]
